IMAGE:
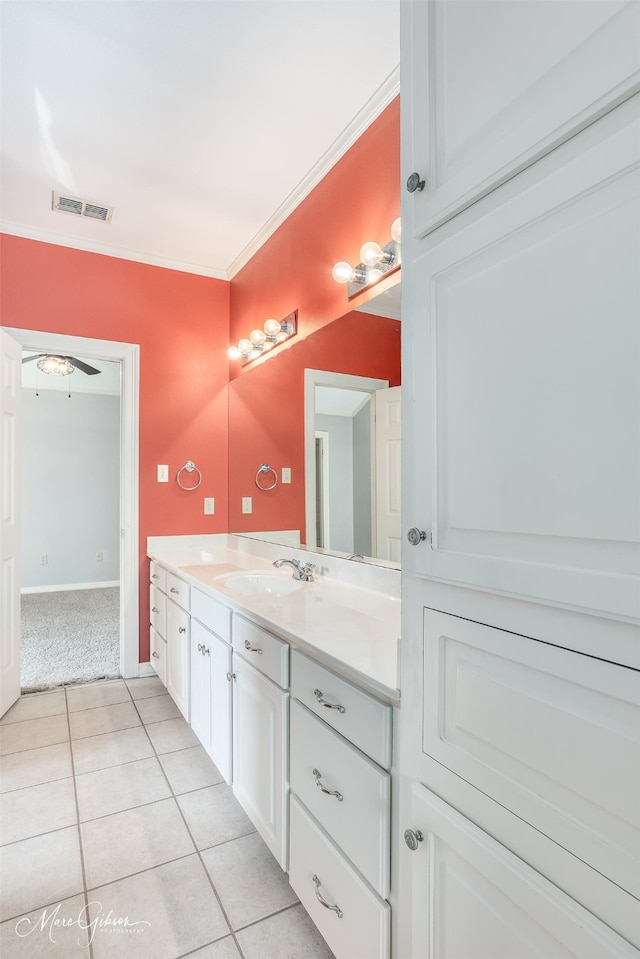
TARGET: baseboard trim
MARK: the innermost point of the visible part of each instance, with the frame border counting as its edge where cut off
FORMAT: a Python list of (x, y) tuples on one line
[(68, 586)]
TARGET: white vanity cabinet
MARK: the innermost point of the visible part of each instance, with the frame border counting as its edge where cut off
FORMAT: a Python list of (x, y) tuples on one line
[(211, 679), (340, 809), (261, 732), (158, 621), (178, 642)]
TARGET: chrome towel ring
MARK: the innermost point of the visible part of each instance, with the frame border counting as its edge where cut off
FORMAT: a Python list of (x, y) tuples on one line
[(265, 468), (190, 467)]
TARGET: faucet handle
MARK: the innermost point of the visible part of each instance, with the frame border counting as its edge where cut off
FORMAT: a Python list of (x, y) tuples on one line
[(307, 572)]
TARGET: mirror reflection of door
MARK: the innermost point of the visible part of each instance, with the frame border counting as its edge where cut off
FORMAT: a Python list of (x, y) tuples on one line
[(353, 488)]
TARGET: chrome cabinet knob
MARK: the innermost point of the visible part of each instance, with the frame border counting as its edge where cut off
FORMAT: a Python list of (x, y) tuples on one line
[(172, 589), (416, 536), (414, 182), (155, 655), (413, 837), (230, 676), (182, 629)]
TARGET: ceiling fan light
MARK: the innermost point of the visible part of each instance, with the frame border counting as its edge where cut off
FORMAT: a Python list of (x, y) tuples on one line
[(56, 365)]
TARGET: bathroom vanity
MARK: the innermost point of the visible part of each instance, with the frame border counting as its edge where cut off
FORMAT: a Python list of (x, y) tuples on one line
[(290, 687)]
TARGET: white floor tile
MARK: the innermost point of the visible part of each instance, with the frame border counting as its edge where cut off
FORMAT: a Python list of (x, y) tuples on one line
[(223, 949), (110, 749), (91, 695), (172, 734), (36, 810), (250, 883), (156, 708), (33, 733), (289, 935), (33, 766), (103, 719), (112, 790), (176, 900), (35, 706), (189, 769), (214, 815), (128, 842), (145, 686), (39, 871), (53, 932)]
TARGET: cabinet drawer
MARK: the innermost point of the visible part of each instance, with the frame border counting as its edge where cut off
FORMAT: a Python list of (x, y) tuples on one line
[(158, 649), (212, 614), (317, 869), (358, 818), (158, 576), (361, 718), (265, 652), (158, 610), (548, 733), (178, 590)]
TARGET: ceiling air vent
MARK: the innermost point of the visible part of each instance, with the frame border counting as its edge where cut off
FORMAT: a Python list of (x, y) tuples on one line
[(84, 208)]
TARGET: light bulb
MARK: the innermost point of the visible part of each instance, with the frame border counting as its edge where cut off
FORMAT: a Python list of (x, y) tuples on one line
[(371, 253), (342, 272), (396, 229), (245, 346), (56, 365), (234, 353), (257, 337), (271, 327)]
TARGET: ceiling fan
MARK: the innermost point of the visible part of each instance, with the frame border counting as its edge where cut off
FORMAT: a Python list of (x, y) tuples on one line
[(60, 365)]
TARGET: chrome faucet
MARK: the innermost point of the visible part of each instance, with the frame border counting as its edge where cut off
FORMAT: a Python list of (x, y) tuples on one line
[(304, 573)]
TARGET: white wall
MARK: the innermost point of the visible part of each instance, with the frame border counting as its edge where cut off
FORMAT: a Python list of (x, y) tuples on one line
[(70, 487), (340, 432)]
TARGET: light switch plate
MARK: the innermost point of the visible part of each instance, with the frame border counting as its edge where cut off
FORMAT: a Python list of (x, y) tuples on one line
[(286, 474), (163, 474), (209, 506), (247, 504)]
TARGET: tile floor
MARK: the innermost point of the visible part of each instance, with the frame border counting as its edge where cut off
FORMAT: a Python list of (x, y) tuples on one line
[(111, 812)]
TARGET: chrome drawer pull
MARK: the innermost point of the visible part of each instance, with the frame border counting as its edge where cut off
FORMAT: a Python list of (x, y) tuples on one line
[(173, 590), (230, 676), (318, 694), (155, 655), (182, 629), (205, 651), (154, 609), (199, 647), (323, 901), (323, 788), (252, 649)]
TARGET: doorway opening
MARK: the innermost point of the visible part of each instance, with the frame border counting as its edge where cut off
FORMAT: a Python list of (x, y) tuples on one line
[(124, 475)]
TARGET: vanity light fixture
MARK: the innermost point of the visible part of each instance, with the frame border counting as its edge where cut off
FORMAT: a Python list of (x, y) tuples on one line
[(260, 341), (376, 261)]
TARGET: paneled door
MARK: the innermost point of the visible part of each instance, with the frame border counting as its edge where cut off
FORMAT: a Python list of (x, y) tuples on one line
[(526, 380), (10, 384), (388, 472)]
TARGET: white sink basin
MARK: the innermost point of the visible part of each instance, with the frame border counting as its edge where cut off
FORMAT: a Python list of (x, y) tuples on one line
[(250, 583)]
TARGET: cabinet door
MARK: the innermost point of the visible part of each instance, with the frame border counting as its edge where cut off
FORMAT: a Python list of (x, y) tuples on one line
[(490, 87), (524, 362), (472, 897), (221, 705), (260, 755), (200, 683), (178, 657)]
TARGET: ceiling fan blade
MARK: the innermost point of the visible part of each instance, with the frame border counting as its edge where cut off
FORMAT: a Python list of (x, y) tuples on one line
[(36, 356), (81, 365)]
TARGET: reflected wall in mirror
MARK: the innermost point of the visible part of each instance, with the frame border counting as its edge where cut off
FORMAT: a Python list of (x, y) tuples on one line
[(267, 419)]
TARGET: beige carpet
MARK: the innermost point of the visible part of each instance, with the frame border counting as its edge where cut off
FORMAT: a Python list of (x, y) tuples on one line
[(69, 636)]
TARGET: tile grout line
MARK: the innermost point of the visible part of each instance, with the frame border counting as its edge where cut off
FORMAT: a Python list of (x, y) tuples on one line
[(80, 843)]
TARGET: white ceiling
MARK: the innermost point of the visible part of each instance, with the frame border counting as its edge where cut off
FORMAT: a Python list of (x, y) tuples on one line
[(202, 122)]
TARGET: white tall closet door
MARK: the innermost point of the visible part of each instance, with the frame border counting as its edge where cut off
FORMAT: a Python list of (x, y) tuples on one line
[(526, 378), (473, 899), (10, 383), (496, 85)]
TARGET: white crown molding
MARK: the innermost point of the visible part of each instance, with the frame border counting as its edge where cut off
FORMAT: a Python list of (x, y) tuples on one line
[(383, 96), (120, 253), (381, 99)]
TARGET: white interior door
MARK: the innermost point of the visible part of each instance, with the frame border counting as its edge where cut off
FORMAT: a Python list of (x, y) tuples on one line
[(388, 473), (10, 379)]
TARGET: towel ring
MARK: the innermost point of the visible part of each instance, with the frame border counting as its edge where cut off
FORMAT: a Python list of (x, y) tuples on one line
[(265, 468), (190, 467)]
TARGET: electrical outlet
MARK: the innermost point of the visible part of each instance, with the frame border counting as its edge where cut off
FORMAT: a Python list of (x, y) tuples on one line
[(209, 506), (286, 474), (163, 474), (247, 504), (99, 556), (44, 559)]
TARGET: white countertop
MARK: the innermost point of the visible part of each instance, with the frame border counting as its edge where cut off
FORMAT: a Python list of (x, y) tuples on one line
[(351, 629)]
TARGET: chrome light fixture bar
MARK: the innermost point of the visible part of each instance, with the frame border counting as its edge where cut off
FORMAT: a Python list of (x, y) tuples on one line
[(376, 261), (261, 341)]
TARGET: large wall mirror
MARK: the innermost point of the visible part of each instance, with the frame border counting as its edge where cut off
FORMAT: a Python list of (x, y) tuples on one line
[(326, 410)]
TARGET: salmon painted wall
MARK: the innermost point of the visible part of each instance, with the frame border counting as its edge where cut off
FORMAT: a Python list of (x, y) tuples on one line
[(357, 200), (266, 413), (181, 322)]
